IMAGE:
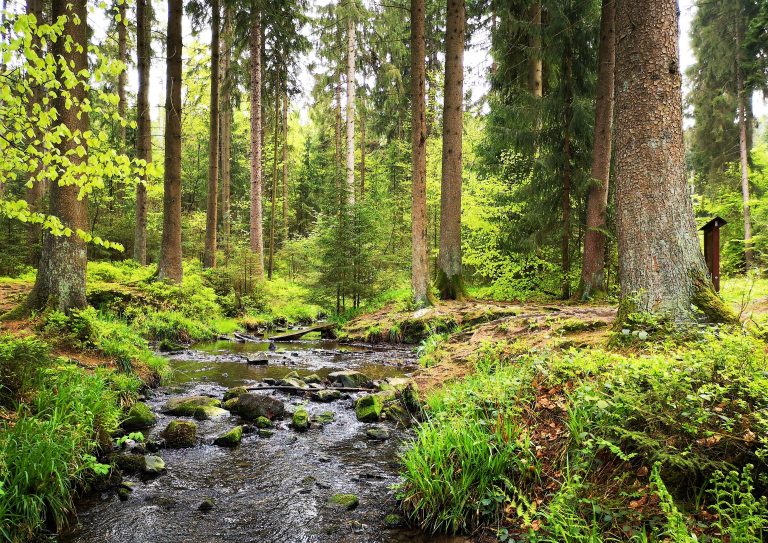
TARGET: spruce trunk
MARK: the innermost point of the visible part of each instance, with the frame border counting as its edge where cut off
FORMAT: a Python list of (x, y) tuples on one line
[(226, 129), (285, 165), (170, 268), (143, 124), (211, 218), (661, 266), (256, 233), (273, 199), (744, 166), (419, 241), (450, 282), (60, 281), (593, 264)]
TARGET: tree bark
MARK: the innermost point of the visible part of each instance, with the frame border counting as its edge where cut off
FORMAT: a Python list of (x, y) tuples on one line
[(143, 124), (285, 164), (535, 69), (661, 266), (257, 238), (122, 56), (351, 48), (419, 241), (273, 199), (170, 268), (362, 154), (450, 282), (593, 264), (211, 218), (226, 129), (744, 166), (337, 138), (60, 281)]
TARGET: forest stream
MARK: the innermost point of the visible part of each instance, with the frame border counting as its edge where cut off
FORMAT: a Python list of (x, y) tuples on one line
[(267, 489)]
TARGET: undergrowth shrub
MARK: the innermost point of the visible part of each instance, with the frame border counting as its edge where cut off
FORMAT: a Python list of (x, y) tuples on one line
[(21, 360)]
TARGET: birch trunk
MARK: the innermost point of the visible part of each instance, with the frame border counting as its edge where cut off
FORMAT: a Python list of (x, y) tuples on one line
[(211, 218)]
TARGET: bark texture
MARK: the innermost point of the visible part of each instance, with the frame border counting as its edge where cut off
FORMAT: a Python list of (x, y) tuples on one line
[(450, 282), (567, 174), (257, 237), (170, 268), (122, 56), (60, 282), (593, 263), (212, 208), (661, 266), (535, 66), (273, 199), (744, 163), (34, 195), (143, 124), (285, 166), (226, 129), (419, 241), (351, 49)]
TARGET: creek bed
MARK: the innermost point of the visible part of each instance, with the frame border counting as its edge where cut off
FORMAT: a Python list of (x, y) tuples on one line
[(266, 489)]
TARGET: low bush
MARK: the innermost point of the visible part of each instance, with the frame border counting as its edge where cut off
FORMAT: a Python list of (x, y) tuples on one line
[(20, 362), (623, 447)]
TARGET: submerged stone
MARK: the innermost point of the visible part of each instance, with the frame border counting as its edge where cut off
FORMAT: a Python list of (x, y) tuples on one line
[(325, 396), (180, 434), (344, 501), (186, 405), (209, 413), (348, 379), (263, 432), (263, 422), (231, 438), (326, 417), (300, 420), (206, 505), (368, 408), (139, 416), (377, 434), (153, 465), (252, 406), (234, 393)]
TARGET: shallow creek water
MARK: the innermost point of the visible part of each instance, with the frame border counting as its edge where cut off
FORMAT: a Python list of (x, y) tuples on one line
[(267, 489)]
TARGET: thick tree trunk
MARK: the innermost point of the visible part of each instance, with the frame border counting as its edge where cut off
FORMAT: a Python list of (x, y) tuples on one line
[(35, 194), (143, 123), (211, 218), (565, 244), (661, 267), (450, 282), (419, 241), (351, 49), (170, 268), (122, 56), (593, 265), (257, 238), (744, 162), (226, 129), (285, 164), (535, 69), (60, 282), (273, 199)]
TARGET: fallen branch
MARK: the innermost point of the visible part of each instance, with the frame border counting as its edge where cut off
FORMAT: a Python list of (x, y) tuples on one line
[(299, 389)]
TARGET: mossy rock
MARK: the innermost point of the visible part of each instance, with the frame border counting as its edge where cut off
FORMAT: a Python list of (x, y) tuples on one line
[(185, 406), (265, 432), (263, 422), (377, 434), (325, 396), (230, 404), (344, 501), (397, 413), (300, 420), (326, 417), (139, 416), (348, 379), (310, 379), (252, 406), (207, 412), (393, 521), (292, 382), (180, 434), (234, 393), (129, 462), (231, 438), (368, 408)]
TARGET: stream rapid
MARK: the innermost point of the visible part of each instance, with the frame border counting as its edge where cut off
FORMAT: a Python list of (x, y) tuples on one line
[(266, 490)]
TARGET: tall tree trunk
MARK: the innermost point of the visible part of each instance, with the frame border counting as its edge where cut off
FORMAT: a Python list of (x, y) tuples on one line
[(122, 56), (143, 123), (257, 238), (60, 282), (535, 70), (419, 241), (35, 194), (226, 129), (744, 162), (337, 138), (565, 244), (351, 49), (285, 164), (211, 218), (449, 281), (170, 268), (593, 265), (661, 267), (362, 154), (273, 199)]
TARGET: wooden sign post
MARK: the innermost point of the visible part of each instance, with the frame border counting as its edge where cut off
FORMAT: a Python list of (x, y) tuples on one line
[(712, 248)]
